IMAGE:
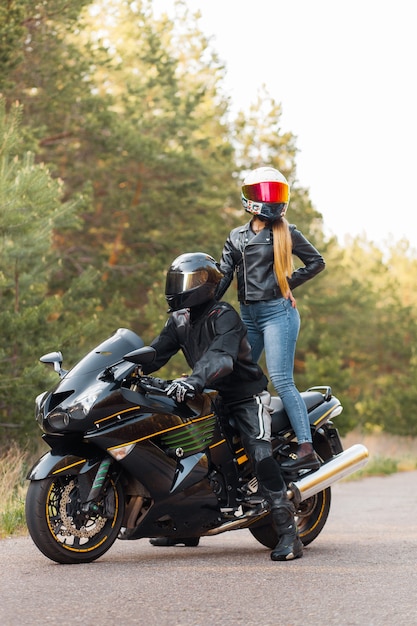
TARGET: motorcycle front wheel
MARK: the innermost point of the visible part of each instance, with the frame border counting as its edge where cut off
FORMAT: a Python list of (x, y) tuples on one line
[(311, 517), (60, 528)]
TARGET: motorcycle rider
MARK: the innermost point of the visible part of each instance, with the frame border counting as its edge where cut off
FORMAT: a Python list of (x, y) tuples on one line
[(260, 254), (214, 341)]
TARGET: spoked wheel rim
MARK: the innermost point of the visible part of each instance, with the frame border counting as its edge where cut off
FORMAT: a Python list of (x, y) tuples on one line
[(312, 514), (69, 525), (63, 528)]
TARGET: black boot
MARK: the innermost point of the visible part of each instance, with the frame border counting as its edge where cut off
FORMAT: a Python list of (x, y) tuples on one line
[(274, 490), (174, 541), (304, 459), (289, 545)]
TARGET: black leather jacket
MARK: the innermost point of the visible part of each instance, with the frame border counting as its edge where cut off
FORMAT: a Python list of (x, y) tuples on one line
[(215, 345), (252, 258)]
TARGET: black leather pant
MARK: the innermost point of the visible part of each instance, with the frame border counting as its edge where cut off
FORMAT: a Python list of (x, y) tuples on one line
[(253, 421)]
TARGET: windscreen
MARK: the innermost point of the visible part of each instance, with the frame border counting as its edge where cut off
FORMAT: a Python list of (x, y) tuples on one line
[(107, 353)]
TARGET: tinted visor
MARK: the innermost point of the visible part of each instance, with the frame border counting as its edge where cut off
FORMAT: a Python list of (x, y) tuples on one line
[(180, 282), (266, 192)]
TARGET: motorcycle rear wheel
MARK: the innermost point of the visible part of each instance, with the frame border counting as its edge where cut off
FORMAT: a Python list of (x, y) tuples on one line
[(61, 530), (311, 517)]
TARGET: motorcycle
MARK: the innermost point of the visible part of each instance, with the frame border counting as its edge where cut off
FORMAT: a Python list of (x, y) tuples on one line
[(127, 462)]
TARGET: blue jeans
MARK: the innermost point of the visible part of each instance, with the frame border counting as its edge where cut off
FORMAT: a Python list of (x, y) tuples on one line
[(274, 325)]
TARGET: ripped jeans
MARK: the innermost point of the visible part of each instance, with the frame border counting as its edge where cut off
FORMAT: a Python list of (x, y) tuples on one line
[(274, 325)]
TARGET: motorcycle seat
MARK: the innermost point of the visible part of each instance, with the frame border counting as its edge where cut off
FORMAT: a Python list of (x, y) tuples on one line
[(280, 421)]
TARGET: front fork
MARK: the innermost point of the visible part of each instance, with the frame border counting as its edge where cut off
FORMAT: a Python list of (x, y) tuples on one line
[(91, 502)]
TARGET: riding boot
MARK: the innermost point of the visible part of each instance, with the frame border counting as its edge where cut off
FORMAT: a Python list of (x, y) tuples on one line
[(289, 545), (304, 459)]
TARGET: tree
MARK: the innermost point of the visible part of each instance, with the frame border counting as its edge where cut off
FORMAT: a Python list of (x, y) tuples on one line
[(133, 112), (358, 337), (33, 319)]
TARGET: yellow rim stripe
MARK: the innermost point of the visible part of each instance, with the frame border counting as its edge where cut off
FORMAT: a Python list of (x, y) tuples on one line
[(320, 515)]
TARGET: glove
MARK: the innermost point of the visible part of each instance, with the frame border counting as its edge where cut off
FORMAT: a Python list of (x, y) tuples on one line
[(180, 390)]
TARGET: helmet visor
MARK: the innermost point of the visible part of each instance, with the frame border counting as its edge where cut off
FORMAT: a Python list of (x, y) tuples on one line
[(179, 282), (270, 192)]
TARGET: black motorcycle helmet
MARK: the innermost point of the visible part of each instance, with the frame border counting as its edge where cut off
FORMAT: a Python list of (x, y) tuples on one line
[(191, 280)]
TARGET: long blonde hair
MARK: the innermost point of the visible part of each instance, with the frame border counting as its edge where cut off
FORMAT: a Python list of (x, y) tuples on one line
[(283, 260)]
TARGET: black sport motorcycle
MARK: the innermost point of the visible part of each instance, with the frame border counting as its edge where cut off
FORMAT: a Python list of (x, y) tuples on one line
[(128, 462)]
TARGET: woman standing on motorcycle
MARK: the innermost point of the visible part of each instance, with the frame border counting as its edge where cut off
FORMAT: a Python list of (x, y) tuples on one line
[(260, 252), (214, 341)]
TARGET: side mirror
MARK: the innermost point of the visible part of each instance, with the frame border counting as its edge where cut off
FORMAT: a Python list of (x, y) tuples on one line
[(55, 360), (142, 356)]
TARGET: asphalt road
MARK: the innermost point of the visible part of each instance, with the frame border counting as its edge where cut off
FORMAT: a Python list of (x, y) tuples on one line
[(361, 570)]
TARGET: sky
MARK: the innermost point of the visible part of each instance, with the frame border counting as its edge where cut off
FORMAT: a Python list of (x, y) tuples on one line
[(345, 76)]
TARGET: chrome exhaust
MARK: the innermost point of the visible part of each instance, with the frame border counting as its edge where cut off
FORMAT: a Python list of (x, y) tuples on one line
[(338, 467)]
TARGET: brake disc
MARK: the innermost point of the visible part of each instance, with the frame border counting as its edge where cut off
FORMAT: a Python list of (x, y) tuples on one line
[(70, 528)]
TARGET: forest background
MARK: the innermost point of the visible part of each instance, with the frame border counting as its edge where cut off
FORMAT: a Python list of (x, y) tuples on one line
[(119, 151)]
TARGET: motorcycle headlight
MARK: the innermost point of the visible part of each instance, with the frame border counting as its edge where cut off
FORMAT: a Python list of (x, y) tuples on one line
[(82, 407), (59, 419)]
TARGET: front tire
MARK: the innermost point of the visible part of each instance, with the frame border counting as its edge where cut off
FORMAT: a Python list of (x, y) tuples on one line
[(60, 528), (311, 516)]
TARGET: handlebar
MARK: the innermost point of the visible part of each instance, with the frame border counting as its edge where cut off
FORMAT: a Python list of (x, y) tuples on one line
[(151, 384)]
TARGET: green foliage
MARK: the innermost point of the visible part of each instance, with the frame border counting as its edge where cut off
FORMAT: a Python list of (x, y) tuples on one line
[(11, 32), (13, 468), (13, 519), (32, 317), (358, 336), (377, 466)]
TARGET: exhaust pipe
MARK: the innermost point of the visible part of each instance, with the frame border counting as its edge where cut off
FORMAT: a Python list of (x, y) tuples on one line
[(338, 467)]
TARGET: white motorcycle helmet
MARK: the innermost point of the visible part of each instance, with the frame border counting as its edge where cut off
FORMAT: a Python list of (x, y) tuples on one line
[(266, 193)]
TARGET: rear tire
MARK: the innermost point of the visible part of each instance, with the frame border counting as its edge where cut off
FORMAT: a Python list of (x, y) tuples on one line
[(311, 517), (59, 527)]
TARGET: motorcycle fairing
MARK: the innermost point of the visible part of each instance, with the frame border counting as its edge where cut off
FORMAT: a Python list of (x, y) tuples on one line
[(186, 470), (170, 432), (165, 442), (189, 517), (180, 430), (90, 383), (180, 490)]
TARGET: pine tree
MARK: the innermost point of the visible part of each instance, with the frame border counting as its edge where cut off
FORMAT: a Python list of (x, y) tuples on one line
[(32, 317)]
